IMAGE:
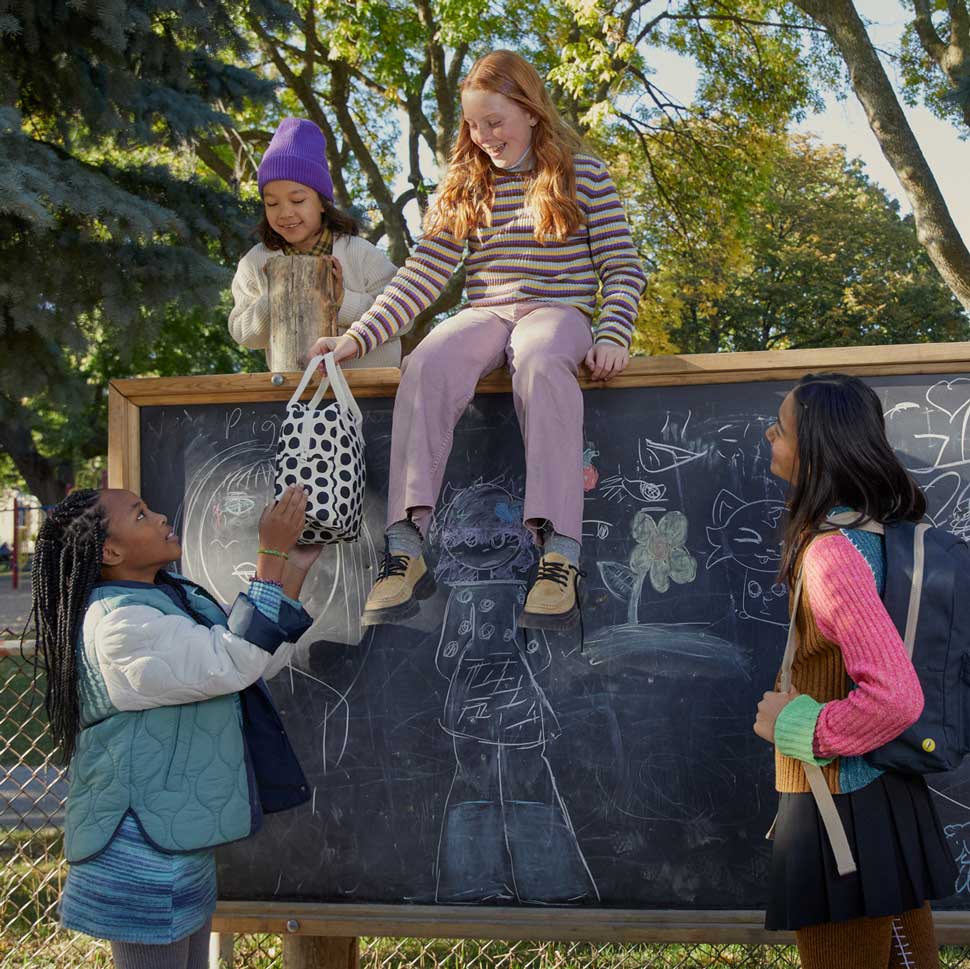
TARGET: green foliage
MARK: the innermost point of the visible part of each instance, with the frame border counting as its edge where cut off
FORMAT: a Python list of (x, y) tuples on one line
[(800, 249), (105, 236)]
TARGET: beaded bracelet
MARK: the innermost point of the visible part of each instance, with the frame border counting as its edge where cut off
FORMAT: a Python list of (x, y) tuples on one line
[(273, 551), (279, 585)]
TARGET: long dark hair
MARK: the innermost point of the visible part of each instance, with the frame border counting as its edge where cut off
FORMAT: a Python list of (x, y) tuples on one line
[(340, 223), (66, 566), (844, 458)]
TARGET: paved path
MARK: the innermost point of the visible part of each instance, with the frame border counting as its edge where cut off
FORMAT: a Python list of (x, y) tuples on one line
[(14, 606), (32, 797)]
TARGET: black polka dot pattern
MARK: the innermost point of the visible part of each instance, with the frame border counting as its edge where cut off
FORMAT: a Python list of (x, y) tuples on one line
[(331, 468)]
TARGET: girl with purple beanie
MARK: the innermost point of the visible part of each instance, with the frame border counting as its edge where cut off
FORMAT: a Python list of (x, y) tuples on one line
[(299, 216)]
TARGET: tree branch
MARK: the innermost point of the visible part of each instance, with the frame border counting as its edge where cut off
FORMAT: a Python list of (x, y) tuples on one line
[(935, 228), (931, 41)]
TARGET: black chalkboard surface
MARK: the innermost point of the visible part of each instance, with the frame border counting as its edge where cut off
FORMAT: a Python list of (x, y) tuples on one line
[(453, 761)]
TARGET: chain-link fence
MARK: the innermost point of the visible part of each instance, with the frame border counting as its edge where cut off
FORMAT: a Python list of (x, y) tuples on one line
[(32, 793)]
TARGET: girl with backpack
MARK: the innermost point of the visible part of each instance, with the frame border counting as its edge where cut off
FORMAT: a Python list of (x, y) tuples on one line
[(853, 689), (543, 235), (300, 218), (156, 702)]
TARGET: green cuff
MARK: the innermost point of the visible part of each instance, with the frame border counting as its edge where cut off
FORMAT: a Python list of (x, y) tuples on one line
[(795, 730)]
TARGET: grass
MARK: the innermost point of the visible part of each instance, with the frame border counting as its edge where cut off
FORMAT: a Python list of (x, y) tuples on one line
[(23, 723)]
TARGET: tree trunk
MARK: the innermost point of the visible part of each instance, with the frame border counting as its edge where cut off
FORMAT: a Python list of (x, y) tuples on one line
[(304, 296), (934, 225), (47, 479)]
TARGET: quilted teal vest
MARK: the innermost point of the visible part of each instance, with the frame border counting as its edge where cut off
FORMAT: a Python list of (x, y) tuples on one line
[(181, 770)]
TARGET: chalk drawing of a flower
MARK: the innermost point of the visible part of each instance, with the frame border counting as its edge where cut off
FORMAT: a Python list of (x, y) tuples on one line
[(658, 554), (659, 551)]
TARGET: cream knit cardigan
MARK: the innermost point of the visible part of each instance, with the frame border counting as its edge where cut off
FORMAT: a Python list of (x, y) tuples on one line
[(366, 270)]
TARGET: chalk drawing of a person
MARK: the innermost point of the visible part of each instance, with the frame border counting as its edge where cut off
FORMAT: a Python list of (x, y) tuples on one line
[(506, 833)]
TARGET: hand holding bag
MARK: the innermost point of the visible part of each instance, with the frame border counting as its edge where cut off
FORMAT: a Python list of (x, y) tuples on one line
[(322, 449)]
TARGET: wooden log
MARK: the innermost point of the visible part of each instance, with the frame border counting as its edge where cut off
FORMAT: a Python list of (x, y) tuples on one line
[(304, 297), (320, 952), (221, 950)]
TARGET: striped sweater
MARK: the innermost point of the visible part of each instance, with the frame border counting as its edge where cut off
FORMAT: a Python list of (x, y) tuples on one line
[(505, 263), (857, 685)]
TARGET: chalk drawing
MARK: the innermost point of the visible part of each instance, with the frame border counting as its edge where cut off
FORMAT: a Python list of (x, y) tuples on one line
[(747, 535), (505, 832)]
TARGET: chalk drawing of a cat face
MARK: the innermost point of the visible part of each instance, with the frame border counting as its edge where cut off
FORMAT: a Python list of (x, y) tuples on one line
[(746, 532)]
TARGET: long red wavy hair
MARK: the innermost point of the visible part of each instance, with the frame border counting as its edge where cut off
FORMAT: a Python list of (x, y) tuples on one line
[(464, 201)]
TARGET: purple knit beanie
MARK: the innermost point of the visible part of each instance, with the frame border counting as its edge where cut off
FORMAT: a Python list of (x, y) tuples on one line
[(297, 153)]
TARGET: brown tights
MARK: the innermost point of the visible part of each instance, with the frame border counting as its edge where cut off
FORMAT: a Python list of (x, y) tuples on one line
[(905, 941)]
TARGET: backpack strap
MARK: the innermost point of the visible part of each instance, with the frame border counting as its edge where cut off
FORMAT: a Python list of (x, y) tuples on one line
[(916, 592), (816, 779)]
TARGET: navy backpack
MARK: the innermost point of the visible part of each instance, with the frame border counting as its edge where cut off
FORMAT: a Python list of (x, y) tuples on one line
[(927, 595)]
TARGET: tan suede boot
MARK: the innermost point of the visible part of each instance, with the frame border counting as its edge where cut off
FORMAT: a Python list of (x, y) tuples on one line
[(552, 602), (401, 582)]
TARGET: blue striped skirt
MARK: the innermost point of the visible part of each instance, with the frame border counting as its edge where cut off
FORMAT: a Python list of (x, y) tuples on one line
[(132, 892)]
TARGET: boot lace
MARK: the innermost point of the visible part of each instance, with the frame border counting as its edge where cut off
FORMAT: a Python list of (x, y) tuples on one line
[(554, 572), (392, 566)]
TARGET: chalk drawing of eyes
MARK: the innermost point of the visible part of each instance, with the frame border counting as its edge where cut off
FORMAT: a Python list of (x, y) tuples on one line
[(486, 605), (465, 596), (532, 646), (616, 486), (450, 650), (487, 631), (237, 504), (464, 627), (778, 589), (244, 571)]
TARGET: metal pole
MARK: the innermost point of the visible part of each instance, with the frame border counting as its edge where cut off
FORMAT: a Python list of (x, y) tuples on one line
[(15, 560)]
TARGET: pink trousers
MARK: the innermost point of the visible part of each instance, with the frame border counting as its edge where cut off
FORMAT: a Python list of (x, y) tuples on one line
[(543, 345)]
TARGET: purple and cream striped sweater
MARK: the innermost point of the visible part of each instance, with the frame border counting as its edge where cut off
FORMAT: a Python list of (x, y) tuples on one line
[(506, 264)]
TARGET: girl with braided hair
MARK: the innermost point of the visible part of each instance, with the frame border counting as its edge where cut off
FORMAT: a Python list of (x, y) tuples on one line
[(156, 700)]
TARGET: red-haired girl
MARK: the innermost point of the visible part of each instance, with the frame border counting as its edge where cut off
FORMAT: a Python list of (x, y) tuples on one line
[(542, 232)]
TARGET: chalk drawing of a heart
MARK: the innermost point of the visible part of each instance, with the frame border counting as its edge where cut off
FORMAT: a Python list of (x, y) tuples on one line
[(950, 396)]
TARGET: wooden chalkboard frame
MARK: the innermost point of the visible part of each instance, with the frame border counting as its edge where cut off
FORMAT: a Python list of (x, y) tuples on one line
[(127, 397)]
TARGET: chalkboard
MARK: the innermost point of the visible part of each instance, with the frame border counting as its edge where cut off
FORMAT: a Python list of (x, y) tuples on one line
[(455, 761)]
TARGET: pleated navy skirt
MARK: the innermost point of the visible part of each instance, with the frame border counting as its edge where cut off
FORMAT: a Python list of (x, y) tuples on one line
[(898, 844)]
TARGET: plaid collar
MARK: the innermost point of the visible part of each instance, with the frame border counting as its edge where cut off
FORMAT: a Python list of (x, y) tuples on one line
[(322, 247)]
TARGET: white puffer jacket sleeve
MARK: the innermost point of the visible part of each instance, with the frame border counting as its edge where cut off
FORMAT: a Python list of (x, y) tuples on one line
[(149, 659)]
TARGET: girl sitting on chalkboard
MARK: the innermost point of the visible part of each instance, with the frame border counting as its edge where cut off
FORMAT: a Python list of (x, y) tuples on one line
[(853, 689), (299, 217), (543, 233), (156, 701)]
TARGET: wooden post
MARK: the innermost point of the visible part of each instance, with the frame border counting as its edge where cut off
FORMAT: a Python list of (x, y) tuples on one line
[(220, 950), (320, 952), (304, 296)]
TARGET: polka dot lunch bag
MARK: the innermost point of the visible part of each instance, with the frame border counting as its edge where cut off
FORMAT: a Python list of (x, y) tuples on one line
[(322, 448)]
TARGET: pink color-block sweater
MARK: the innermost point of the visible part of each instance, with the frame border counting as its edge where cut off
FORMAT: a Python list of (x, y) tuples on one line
[(858, 687)]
